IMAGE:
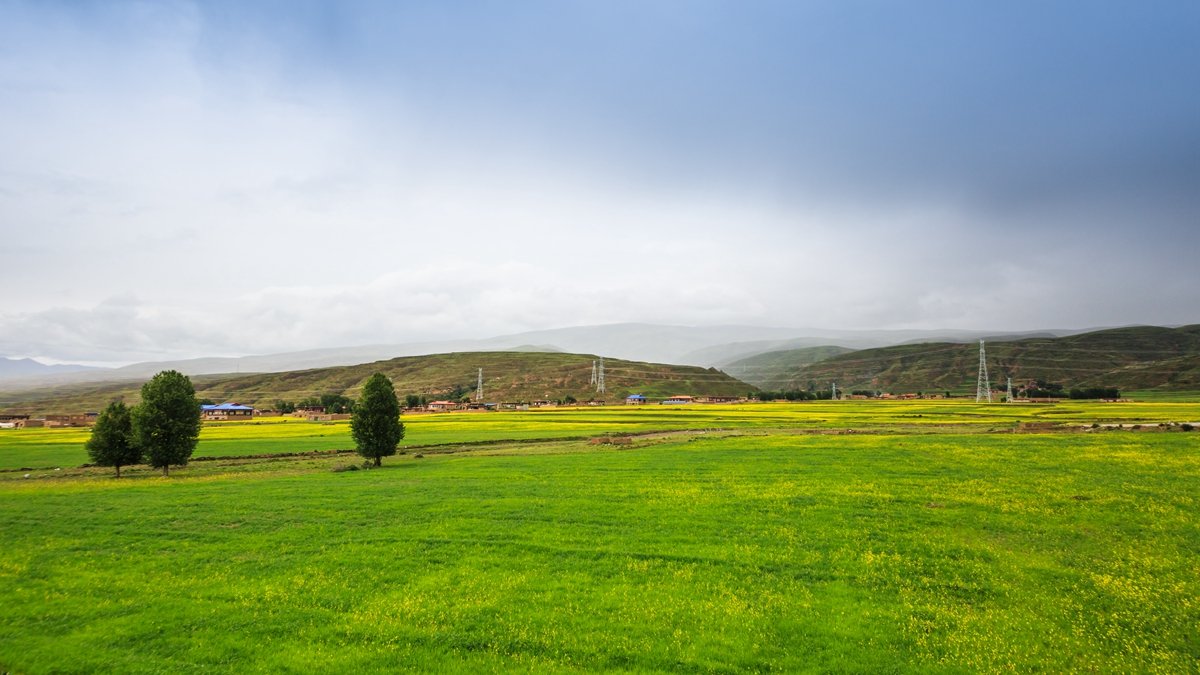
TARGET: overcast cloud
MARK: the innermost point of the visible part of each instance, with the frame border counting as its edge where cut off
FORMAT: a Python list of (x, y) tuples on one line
[(203, 179)]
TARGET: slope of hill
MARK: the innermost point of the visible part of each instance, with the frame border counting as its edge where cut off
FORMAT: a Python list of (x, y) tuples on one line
[(777, 370), (1137, 358), (508, 376)]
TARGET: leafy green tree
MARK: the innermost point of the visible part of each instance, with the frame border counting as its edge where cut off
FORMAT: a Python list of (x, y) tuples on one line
[(167, 423), (336, 404), (112, 442), (375, 422), (412, 401)]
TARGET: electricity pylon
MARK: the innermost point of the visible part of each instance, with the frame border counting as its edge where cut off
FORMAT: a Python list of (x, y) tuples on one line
[(983, 388), (479, 389), (1008, 397), (593, 380), (600, 377), (833, 392)]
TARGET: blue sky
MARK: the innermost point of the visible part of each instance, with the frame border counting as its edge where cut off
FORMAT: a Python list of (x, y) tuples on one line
[(185, 179)]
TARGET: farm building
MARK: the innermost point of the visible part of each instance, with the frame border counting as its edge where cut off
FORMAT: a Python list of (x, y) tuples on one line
[(226, 411), (720, 399), (677, 400), (441, 406), (13, 421), (74, 420), (635, 399)]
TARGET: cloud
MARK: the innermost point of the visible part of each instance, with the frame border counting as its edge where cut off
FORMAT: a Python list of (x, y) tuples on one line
[(263, 178)]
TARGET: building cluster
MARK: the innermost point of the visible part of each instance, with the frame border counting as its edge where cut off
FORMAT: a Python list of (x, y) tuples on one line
[(28, 421)]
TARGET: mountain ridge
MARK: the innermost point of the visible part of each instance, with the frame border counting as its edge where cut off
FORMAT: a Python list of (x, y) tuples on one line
[(1132, 359)]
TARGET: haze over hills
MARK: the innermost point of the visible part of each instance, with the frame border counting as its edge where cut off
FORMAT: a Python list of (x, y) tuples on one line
[(508, 376), (28, 367), (685, 345), (781, 365), (1137, 358)]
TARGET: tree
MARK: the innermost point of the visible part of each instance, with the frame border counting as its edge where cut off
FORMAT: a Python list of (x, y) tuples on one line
[(375, 422), (167, 423), (112, 442), (412, 401)]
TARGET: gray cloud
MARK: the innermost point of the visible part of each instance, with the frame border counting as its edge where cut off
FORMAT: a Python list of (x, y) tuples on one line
[(186, 179)]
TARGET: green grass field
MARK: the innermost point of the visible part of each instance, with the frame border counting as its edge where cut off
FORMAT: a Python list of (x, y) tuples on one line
[(926, 544)]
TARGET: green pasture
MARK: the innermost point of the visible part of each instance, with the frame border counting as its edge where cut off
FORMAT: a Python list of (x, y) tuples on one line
[(64, 447), (767, 552)]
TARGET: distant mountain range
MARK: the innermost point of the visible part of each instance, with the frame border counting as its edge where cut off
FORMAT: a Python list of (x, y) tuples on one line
[(27, 367), (1132, 359), (704, 346)]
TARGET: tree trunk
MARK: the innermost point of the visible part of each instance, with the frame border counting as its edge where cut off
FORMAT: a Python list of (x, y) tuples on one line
[(378, 461), (118, 472), (166, 468)]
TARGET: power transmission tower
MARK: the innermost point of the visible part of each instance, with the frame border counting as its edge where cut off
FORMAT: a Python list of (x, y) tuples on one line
[(593, 380), (479, 389), (983, 388), (600, 377), (1008, 396), (833, 396)]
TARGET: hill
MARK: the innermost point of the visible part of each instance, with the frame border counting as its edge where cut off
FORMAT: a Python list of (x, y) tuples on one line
[(14, 368), (778, 370), (508, 376), (1137, 358)]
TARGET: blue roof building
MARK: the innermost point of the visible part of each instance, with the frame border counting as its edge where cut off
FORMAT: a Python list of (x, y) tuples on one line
[(225, 410)]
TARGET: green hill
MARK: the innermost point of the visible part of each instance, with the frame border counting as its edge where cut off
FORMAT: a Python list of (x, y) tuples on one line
[(508, 376), (778, 370), (1132, 359)]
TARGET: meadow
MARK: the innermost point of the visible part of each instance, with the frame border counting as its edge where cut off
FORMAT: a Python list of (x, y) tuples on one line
[(935, 541)]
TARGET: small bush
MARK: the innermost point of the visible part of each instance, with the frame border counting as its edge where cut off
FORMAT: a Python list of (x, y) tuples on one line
[(340, 467), (1185, 427)]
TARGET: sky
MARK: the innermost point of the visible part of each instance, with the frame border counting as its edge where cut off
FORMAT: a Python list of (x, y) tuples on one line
[(183, 179)]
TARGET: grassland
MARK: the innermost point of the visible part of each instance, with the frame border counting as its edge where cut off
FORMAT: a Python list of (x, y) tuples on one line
[(926, 544)]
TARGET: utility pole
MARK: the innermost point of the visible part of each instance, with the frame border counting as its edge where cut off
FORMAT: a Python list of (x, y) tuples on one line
[(479, 389), (983, 388), (1008, 397), (600, 377)]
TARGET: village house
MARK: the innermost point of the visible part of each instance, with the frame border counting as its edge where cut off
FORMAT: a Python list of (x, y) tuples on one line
[(76, 420), (635, 399), (720, 399), (441, 406), (679, 400), (13, 421), (226, 411)]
